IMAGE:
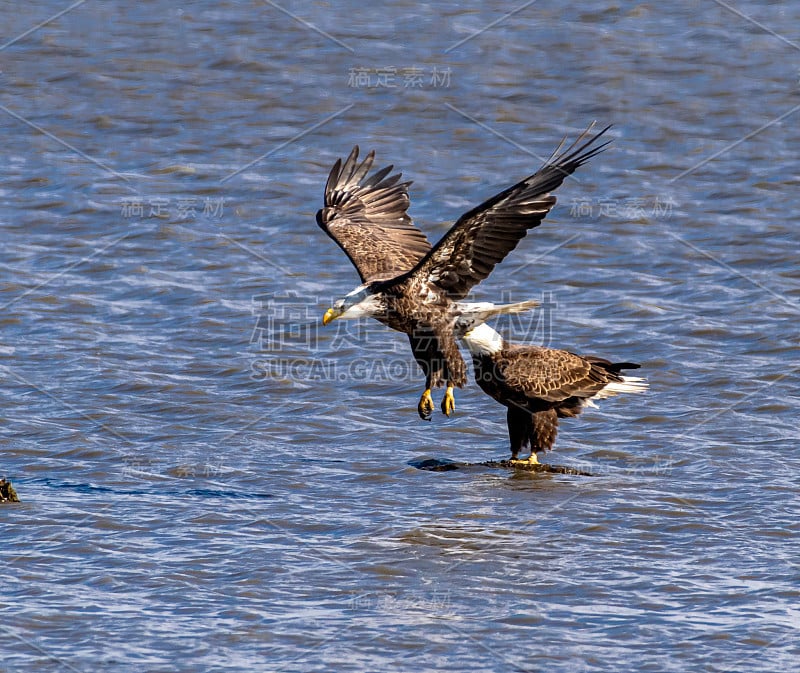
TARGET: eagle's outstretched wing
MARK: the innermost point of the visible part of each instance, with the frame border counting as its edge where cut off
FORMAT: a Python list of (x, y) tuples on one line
[(485, 235), (556, 375), (366, 216)]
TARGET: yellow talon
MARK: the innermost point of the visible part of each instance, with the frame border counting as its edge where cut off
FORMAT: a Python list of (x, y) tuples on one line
[(448, 402), (425, 406), (530, 460)]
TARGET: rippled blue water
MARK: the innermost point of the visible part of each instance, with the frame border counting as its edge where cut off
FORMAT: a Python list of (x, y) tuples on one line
[(210, 482)]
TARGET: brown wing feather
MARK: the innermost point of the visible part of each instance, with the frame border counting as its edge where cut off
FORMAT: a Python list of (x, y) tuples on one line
[(552, 375), (366, 216), (485, 235)]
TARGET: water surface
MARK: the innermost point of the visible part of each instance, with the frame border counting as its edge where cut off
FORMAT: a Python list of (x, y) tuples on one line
[(211, 482)]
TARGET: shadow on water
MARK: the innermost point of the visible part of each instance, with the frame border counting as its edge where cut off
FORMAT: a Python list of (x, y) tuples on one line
[(84, 488)]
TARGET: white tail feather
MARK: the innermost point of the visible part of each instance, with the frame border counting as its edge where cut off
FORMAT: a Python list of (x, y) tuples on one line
[(629, 384), (518, 307), (473, 314)]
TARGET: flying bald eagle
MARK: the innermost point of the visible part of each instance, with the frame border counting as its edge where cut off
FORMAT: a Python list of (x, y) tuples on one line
[(540, 385), (414, 288)]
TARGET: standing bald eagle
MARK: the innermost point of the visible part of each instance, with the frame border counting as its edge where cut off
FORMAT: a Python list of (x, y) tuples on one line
[(413, 287), (540, 385)]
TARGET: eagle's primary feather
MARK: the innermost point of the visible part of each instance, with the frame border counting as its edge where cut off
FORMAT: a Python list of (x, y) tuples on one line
[(367, 217)]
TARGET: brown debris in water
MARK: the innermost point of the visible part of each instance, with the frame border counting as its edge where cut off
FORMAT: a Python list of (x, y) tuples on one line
[(7, 492)]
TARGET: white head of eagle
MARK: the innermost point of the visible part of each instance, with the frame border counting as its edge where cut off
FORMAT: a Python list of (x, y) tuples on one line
[(362, 302)]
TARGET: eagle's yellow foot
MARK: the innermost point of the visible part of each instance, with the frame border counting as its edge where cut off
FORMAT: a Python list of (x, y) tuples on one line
[(530, 460), (425, 406), (448, 401)]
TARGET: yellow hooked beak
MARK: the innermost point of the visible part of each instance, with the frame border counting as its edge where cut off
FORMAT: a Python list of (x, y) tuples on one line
[(330, 314)]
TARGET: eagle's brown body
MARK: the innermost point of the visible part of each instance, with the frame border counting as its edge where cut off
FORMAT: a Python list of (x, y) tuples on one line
[(540, 385), (429, 326)]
